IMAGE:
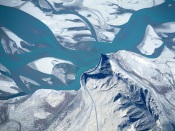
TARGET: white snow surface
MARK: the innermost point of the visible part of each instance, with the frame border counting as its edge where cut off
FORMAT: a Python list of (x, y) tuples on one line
[(150, 42), (93, 106)]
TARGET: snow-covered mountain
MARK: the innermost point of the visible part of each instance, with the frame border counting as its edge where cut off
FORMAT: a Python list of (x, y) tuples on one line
[(117, 95), (126, 91)]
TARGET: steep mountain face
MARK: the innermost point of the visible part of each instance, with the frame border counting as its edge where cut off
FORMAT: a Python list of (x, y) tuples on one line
[(126, 91)]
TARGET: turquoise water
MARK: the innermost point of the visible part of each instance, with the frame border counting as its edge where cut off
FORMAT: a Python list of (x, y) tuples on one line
[(34, 31)]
